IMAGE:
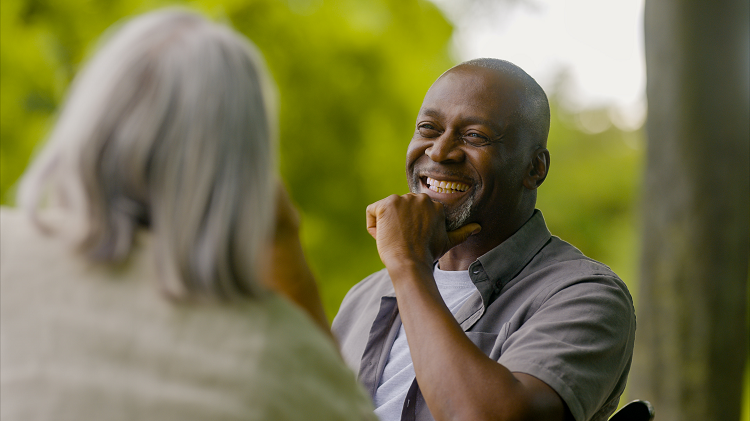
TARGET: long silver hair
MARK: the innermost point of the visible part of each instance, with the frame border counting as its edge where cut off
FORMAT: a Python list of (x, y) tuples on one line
[(170, 126)]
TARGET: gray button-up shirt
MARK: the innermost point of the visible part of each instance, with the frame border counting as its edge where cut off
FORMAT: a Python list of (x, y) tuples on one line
[(541, 308)]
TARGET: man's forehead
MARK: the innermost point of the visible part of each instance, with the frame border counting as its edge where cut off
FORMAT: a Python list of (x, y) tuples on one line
[(466, 118), (481, 90)]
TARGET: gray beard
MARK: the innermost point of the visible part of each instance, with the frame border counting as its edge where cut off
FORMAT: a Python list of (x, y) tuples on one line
[(454, 218)]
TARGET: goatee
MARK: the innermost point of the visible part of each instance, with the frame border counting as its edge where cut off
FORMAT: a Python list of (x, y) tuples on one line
[(455, 218)]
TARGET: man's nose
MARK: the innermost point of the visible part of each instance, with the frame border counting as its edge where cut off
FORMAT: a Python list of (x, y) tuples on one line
[(446, 148)]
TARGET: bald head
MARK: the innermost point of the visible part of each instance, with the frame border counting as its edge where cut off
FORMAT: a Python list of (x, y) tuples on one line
[(533, 113)]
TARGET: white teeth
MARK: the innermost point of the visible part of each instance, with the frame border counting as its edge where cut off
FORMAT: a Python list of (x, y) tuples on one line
[(446, 186)]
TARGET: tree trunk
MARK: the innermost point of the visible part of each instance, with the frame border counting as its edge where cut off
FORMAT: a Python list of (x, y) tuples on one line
[(691, 345)]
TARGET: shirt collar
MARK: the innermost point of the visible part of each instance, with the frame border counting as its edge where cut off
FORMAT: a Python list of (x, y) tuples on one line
[(493, 270)]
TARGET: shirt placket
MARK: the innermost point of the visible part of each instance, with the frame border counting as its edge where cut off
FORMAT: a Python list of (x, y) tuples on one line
[(382, 334)]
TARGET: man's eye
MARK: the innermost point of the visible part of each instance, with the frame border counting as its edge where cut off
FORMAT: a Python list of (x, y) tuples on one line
[(476, 138), (427, 130)]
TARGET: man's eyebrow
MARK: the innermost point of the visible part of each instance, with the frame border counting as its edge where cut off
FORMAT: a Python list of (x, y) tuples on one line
[(431, 112), (479, 121)]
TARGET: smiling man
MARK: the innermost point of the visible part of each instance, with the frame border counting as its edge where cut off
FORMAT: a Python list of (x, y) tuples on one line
[(480, 313)]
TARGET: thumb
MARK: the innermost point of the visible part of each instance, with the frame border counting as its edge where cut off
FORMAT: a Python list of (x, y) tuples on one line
[(460, 235)]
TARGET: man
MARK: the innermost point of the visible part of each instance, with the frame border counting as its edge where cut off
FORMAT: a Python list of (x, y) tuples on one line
[(511, 323)]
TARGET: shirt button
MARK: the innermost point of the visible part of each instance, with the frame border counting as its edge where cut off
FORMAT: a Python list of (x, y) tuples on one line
[(475, 271)]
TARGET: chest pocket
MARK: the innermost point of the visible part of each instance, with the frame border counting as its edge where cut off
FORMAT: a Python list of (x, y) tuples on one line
[(490, 343)]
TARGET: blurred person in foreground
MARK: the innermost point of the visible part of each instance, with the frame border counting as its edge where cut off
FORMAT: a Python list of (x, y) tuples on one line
[(137, 277), (480, 313)]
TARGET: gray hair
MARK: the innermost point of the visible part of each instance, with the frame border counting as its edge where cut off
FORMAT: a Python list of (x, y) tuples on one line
[(534, 111), (168, 127)]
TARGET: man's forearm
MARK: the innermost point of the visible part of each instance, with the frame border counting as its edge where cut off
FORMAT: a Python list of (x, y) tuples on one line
[(456, 379)]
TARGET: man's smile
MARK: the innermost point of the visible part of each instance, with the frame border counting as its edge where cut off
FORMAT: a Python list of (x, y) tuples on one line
[(442, 186), (457, 197)]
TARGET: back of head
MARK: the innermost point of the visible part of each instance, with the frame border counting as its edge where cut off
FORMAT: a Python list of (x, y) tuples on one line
[(534, 112), (168, 127)]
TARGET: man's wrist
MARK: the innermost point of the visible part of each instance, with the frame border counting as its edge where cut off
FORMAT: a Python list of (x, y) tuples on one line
[(405, 268)]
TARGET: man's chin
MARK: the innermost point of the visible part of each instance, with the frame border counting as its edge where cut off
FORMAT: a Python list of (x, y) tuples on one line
[(456, 217)]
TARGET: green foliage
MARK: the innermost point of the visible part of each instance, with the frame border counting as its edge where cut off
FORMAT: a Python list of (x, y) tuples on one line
[(351, 75)]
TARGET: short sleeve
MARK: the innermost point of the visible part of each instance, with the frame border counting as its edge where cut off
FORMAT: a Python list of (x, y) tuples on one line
[(579, 342)]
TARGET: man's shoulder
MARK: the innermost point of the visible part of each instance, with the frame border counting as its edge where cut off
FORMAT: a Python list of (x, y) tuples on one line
[(375, 285), (560, 253), (364, 297), (537, 259), (559, 266)]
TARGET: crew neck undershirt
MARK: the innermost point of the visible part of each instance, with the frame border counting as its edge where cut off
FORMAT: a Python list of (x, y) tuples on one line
[(455, 288)]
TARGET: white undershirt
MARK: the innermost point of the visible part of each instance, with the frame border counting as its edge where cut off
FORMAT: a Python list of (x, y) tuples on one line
[(455, 287)]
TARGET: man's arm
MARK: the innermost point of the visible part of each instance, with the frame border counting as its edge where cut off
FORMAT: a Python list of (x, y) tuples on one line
[(457, 380)]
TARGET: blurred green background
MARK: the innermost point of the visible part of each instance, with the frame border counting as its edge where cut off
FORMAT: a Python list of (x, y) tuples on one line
[(351, 75)]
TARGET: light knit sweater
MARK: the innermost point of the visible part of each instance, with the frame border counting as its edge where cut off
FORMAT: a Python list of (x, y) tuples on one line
[(86, 342)]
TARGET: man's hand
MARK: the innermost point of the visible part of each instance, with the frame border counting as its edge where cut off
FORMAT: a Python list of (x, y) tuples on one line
[(411, 228)]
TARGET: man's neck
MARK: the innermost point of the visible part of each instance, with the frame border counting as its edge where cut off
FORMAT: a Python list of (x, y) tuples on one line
[(464, 254)]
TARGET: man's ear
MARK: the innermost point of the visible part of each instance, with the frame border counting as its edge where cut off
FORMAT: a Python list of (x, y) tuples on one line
[(537, 170)]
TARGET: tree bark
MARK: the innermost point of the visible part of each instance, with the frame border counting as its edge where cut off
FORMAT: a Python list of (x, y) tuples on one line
[(692, 339)]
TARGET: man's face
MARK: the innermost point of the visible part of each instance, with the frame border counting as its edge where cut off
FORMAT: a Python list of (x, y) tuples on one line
[(465, 151)]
